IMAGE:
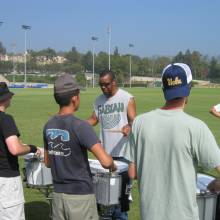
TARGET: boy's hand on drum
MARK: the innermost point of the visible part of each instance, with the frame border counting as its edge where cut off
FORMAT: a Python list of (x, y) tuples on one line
[(214, 186), (39, 152), (126, 130), (113, 167)]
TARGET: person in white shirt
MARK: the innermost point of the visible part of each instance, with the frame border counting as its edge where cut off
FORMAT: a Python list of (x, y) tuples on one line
[(215, 110)]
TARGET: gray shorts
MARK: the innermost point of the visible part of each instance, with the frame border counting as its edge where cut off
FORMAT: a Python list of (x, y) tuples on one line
[(74, 207), (11, 198)]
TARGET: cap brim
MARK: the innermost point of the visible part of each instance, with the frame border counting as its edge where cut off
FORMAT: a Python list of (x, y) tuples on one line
[(177, 92), (6, 96)]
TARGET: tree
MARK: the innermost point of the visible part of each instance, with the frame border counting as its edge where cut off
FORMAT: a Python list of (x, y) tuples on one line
[(2, 49), (48, 53), (214, 69), (73, 68), (81, 79), (86, 61), (73, 56), (101, 62), (179, 58), (116, 51)]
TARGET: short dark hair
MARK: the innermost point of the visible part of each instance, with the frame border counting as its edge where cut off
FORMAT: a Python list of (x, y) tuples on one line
[(107, 72), (63, 99)]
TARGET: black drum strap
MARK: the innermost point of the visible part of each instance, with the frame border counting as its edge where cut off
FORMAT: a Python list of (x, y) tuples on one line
[(124, 202)]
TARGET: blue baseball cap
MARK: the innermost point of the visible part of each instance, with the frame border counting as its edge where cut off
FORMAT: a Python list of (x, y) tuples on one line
[(176, 79)]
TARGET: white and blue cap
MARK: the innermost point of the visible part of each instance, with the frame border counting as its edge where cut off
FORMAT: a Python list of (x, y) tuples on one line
[(176, 79)]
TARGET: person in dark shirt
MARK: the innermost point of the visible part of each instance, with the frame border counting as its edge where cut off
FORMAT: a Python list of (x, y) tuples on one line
[(11, 191), (66, 141)]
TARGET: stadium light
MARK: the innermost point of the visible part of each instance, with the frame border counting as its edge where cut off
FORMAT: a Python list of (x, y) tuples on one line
[(109, 46), (94, 39), (25, 28), (130, 46), (13, 60)]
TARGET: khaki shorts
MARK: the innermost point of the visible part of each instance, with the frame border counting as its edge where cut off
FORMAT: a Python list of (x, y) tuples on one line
[(74, 207), (11, 198)]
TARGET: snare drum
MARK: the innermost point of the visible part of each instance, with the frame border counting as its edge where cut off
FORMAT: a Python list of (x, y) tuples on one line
[(37, 173), (107, 185), (205, 199)]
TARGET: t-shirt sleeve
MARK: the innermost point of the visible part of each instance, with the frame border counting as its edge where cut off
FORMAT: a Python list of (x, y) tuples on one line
[(217, 107), (129, 148), (208, 152), (95, 108), (9, 127), (45, 139), (87, 136)]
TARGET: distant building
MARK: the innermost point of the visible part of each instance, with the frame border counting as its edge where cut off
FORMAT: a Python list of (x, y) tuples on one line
[(145, 79), (19, 58), (41, 60)]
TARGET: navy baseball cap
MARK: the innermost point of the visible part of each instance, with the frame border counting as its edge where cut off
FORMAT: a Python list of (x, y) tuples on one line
[(176, 79)]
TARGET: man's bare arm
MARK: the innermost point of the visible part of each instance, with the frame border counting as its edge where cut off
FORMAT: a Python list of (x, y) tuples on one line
[(214, 112), (131, 114), (93, 120), (46, 158), (16, 148), (132, 173), (105, 159)]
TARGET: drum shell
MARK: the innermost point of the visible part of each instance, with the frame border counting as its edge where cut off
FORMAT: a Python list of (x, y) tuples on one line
[(206, 200), (37, 173), (207, 206), (107, 186)]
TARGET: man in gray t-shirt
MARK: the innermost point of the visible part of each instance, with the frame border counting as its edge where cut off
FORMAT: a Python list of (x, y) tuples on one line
[(165, 147)]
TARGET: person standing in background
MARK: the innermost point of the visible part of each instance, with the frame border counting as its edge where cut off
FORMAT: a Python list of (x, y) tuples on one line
[(115, 111)]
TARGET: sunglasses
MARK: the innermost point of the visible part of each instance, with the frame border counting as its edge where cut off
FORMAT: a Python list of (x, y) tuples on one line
[(105, 84)]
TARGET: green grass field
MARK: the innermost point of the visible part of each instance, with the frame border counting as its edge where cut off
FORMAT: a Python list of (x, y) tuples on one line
[(31, 108)]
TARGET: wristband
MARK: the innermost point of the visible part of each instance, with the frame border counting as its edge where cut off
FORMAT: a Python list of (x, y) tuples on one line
[(33, 148)]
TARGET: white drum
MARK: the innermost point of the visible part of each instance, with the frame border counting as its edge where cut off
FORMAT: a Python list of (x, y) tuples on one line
[(107, 185), (205, 199), (37, 173)]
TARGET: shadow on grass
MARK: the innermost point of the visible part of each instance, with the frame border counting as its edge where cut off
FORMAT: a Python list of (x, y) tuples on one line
[(37, 210)]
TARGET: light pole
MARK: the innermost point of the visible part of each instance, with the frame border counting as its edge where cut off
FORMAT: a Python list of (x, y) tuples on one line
[(13, 59), (1, 23), (25, 28), (109, 47), (94, 39), (130, 46)]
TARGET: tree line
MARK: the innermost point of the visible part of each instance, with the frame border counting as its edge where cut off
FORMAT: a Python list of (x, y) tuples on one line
[(202, 66)]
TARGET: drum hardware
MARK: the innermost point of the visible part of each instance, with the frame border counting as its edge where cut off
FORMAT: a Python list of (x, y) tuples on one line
[(107, 187), (105, 212), (38, 176), (46, 191), (206, 200)]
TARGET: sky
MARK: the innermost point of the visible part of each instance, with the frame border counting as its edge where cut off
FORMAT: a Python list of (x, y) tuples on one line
[(154, 27)]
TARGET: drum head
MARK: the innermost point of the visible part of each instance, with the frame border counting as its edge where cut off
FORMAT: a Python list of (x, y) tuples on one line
[(96, 167), (203, 181)]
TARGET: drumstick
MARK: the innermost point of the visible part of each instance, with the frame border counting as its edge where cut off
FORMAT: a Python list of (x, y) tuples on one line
[(114, 130)]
